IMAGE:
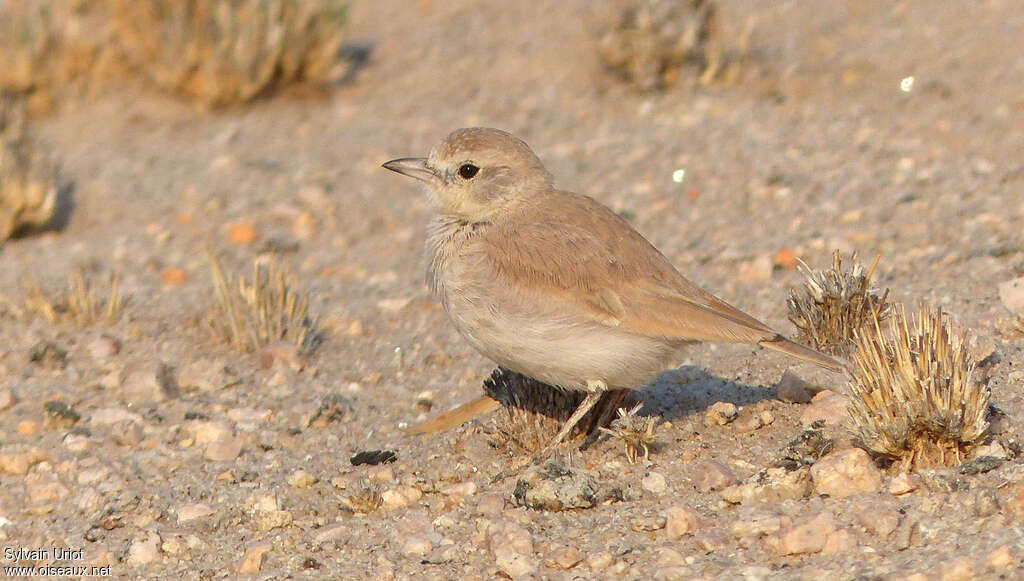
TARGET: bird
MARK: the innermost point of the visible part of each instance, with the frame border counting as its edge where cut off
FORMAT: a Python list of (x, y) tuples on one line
[(555, 285)]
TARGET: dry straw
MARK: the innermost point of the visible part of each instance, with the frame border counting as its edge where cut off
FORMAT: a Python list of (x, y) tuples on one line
[(833, 304), (251, 313), (535, 411), (914, 400), (635, 432), (79, 303), (28, 179)]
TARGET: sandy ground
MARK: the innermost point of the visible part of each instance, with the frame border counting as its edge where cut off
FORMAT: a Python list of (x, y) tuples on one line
[(814, 148)]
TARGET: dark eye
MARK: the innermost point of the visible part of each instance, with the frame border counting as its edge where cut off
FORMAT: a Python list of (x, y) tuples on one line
[(467, 171)]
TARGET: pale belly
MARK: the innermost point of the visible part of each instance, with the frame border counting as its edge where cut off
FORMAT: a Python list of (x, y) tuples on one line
[(558, 350)]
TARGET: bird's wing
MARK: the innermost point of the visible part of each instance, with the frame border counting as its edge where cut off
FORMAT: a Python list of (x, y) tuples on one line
[(589, 261)]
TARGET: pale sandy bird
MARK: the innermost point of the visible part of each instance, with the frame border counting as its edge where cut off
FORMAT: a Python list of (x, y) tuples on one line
[(555, 285)]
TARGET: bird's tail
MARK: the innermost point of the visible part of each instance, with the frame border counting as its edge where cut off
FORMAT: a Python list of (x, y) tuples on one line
[(460, 415), (780, 343)]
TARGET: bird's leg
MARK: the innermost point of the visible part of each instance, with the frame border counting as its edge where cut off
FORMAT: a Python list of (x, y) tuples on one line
[(611, 403), (595, 389)]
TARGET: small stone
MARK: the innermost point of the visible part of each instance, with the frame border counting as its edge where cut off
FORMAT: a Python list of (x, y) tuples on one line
[(670, 558), (144, 549), (461, 491), (758, 522), (720, 413), (490, 504), (103, 348), (301, 479), (680, 521), (958, 569), (600, 561), (272, 519), (252, 560), (807, 536), (709, 475), (879, 518), (1011, 293), (512, 548), (45, 490), (793, 389), (331, 534), (827, 406), (903, 483), (748, 422), (839, 541), (1001, 558), (243, 232), (564, 557), (554, 487), (223, 450), (153, 382), (845, 473), (400, 496), (713, 540), (76, 442), (19, 463), (126, 433), (207, 432), (27, 427), (416, 546), (654, 482), (771, 485), (191, 512), (7, 399), (767, 417), (265, 503), (172, 276)]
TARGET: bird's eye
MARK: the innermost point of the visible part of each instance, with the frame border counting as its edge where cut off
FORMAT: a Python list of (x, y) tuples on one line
[(467, 171)]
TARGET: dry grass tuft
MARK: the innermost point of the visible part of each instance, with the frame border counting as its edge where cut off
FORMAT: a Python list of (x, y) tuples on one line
[(28, 179), (833, 304), (649, 43), (223, 52), (218, 52), (535, 411), (49, 47), (914, 400), (79, 303), (635, 432), (249, 314)]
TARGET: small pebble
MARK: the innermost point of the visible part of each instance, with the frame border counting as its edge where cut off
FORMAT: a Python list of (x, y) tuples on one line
[(7, 399), (845, 473), (416, 546), (654, 482), (144, 549), (564, 557), (301, 479), (680, 521), (826, 405), (720, 413), (794, 389), (512, 548), (191, 512), (807, 536), (1011, 293), (252, 560), (126, 433), (902, 483), (223, 450), (709, 475)]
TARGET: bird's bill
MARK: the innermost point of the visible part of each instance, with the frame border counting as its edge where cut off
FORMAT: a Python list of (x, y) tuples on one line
[(414, 167)]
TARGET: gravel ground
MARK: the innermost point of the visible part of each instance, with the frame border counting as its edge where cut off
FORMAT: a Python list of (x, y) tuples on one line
[(190, 460)]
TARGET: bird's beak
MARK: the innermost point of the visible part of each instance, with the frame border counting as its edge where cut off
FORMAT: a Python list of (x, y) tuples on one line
[(414, 167)]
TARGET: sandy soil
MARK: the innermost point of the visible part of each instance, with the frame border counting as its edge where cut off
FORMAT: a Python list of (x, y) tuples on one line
[(814, 148)]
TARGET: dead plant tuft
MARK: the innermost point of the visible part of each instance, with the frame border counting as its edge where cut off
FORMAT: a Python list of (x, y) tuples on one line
[(28, 179), (79, 303), (649, 42), (833, 304), (913, 398), (535, 411), (223, 52), (635, 432), (249, 314)]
